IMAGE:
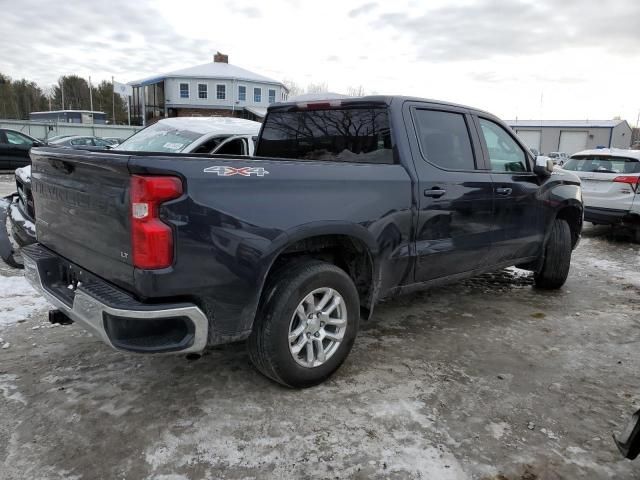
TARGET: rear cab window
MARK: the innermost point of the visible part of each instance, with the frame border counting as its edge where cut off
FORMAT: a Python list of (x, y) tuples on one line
[(354, 134), (602, 164)]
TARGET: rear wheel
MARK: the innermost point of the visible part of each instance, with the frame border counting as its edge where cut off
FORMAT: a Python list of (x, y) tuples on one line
[(557, 257), (306, 324)]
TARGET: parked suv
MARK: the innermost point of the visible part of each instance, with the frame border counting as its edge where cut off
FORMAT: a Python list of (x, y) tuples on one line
[(610, 179), (347, 202), (558, 158)]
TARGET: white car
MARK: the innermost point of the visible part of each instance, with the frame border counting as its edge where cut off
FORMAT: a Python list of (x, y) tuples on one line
[(610, 179), (558, 158), (223, 135)]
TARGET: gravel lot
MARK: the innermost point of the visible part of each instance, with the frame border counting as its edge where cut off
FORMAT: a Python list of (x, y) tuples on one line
[(486, 379)]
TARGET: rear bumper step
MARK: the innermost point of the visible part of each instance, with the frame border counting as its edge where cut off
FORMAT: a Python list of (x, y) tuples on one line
[(115, 317)]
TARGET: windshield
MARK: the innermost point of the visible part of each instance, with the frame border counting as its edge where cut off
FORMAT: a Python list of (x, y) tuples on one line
[(602, 164), (159, 137)]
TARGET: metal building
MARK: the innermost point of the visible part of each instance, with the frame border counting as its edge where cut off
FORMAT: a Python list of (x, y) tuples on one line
[(571, 136)]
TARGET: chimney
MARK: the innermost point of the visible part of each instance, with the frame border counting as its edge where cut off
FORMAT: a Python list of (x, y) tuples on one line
[(220, 58)]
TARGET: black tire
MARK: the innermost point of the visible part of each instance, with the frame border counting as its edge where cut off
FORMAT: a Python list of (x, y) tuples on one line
[(268, 344), (636, 235), (557, 257)]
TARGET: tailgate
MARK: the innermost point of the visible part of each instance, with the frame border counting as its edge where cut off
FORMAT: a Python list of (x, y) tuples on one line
[(82, 209), (601, 191)]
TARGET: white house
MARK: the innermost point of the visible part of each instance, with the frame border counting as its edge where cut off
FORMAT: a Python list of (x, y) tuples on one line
[(212, 89)]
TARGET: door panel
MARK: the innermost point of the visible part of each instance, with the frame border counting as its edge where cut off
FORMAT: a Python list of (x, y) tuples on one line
[(453, 234), (517, 229), (453, 230)]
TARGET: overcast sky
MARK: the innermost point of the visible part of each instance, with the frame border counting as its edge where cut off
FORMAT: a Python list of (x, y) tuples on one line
[(573, 59)]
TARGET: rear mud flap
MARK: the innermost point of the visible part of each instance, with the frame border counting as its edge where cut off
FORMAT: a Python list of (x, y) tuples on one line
[(629, 441), (6, 248)]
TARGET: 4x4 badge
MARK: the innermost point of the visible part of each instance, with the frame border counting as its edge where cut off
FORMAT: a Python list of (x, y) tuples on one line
[(242, 171)]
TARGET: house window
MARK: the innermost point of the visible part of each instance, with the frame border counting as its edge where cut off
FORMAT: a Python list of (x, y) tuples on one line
[(221, 92), (257, 95), (184, 90), (202, 90), (242, 93), (272, 95)]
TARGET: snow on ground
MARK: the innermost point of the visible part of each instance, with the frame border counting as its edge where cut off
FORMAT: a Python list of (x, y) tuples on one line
[(18, 300), (623, 265)]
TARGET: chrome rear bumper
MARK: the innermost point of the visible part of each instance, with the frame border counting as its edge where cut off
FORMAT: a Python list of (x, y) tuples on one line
[(97, 316)]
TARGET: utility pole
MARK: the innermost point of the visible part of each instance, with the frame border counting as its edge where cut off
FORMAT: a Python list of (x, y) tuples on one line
[(62, 91), (113, 99), (91, 99)]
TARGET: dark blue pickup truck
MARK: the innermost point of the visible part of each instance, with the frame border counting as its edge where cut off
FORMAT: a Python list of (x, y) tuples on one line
[(347, 202)]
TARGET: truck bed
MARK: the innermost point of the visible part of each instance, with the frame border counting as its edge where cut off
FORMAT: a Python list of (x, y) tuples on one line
[(234, 217)]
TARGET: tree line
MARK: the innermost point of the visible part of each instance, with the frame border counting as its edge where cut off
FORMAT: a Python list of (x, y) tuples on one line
[(20, 97)]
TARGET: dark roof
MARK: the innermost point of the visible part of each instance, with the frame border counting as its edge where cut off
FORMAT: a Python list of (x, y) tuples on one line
[(382, 99)]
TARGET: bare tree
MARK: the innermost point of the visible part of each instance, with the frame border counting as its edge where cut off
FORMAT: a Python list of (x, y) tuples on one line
[(293, 87), (356, 91), (321, 87)]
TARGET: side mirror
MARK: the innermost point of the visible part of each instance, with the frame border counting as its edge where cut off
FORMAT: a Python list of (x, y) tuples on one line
[(544, 166)]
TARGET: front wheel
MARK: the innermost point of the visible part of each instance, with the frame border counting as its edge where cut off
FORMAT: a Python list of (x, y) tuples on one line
[(306, 325), (557, 257)]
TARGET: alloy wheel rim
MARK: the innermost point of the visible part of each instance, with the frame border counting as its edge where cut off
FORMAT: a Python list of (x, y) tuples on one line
[(317, 327)]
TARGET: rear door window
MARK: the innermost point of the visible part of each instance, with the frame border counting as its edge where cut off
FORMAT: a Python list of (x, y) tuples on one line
[(602, 164), (350, 134), (504, 152), (444, 139)]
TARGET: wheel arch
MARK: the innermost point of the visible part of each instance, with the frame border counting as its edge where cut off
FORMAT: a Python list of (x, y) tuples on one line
[(572, 213), (350, 247)]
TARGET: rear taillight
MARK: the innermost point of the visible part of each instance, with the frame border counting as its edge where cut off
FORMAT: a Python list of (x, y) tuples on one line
[(631, 180), (151, 238)]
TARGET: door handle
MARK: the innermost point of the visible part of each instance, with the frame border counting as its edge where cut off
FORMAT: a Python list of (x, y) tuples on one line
[(435, 192), (504, 191)]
